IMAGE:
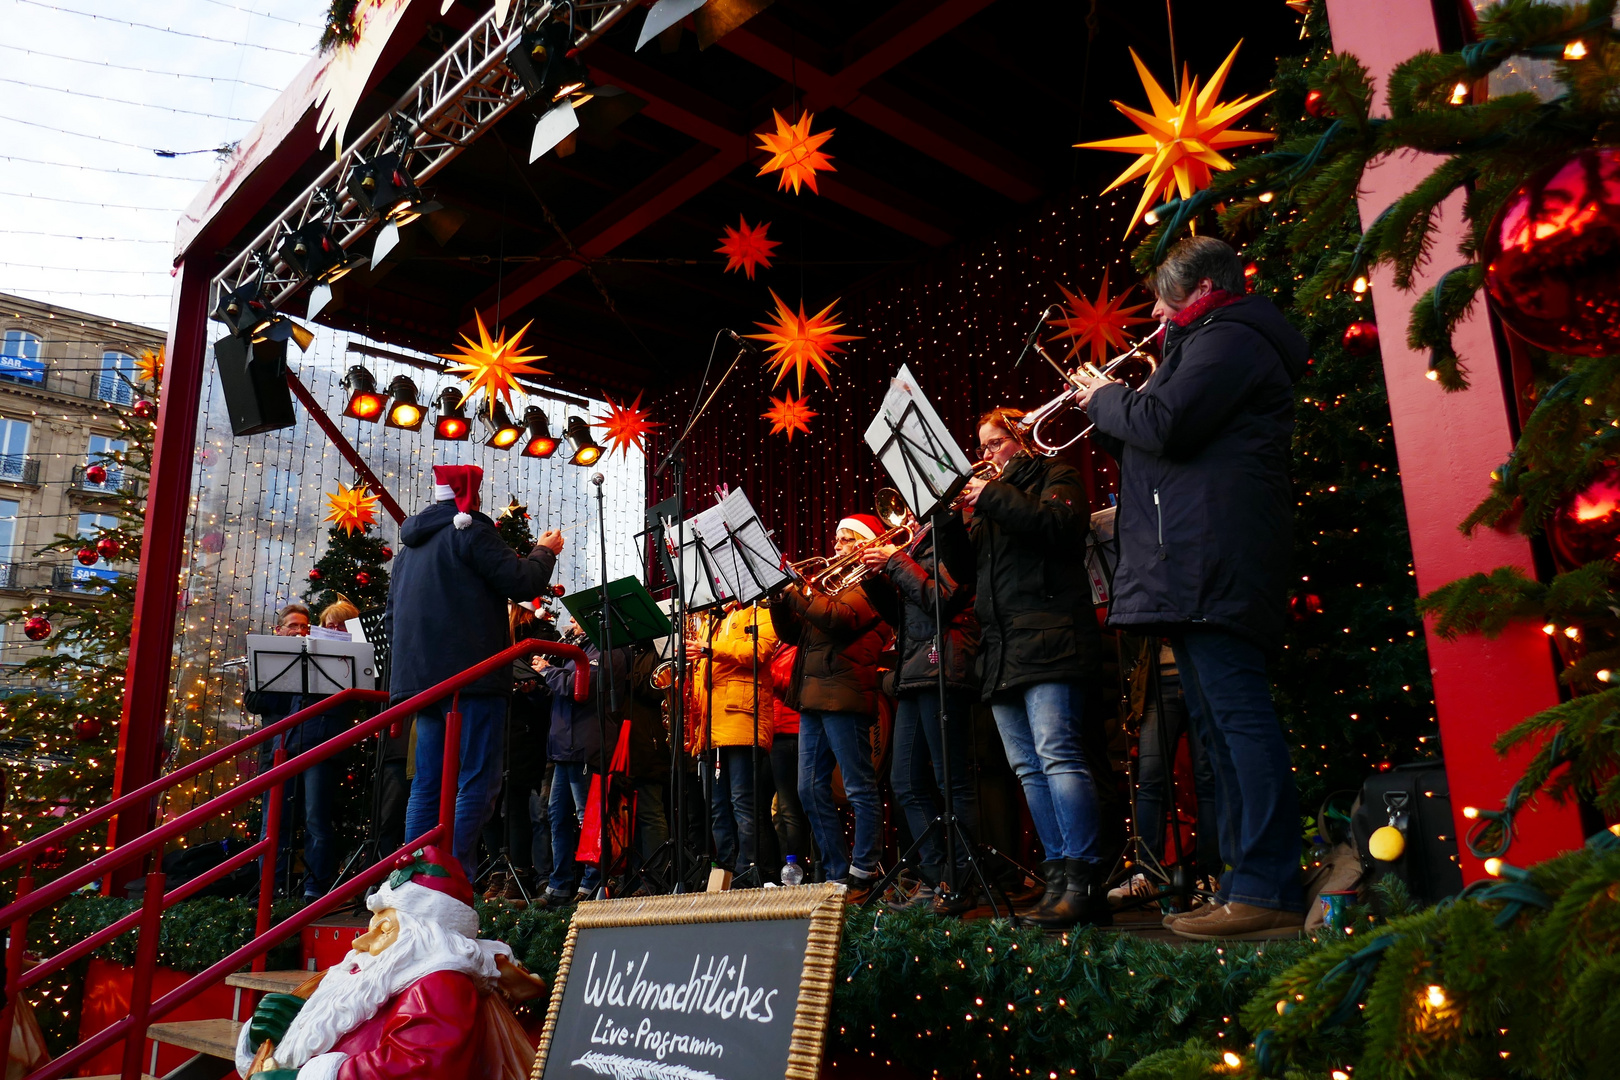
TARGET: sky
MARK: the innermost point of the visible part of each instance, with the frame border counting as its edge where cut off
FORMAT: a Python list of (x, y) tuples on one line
[(70, 69)]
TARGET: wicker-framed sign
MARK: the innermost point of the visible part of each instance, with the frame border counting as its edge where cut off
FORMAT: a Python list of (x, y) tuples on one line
[(704, 986)]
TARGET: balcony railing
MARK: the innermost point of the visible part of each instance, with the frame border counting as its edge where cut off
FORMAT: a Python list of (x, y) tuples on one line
[(19, 469), (119, 481), (92, 578)]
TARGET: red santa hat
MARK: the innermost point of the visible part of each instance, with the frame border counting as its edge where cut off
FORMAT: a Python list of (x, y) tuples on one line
[(432, 886), (867, 526), (461, 483)]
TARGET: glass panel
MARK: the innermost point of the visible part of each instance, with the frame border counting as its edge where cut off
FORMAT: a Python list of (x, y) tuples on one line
[(13, 448), (110, 386), (19, 357), (101, 453)]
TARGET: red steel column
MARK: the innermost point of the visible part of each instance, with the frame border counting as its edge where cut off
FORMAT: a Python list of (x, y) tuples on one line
[(151, 645), (1447, 445)]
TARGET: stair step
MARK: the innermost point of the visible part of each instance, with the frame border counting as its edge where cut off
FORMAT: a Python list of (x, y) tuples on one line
[(216, 1038), (272, 982)]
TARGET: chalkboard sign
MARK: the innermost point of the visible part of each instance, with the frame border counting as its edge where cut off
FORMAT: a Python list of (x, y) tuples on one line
[(707, 986)]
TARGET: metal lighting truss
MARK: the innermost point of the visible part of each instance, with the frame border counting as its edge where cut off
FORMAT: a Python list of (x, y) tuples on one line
[(458, 99)]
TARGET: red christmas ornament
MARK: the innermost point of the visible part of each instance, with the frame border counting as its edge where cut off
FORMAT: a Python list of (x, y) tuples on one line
[(315, 573), (109, 547), (1361, 338), (1303, 605), (559, 588), (87, 729), (143, 409), (1384, 766), (362, 579), (96, 474), (1552, 256), (1313, 104), (1586, 528), (37, 627), (87, 556), (387, 553), (1251, 270)]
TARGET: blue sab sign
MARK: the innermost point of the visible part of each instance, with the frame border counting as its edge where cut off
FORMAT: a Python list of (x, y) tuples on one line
[(22, 369)]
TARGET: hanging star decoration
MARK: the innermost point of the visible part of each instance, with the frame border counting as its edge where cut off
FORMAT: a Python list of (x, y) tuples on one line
[(352, 509), (799, 343), (788, 414), (746, 247), (796, 153), (626, 425), (1099, 323), (513, 509), (149, 365), (1181, 140), (492, 364)]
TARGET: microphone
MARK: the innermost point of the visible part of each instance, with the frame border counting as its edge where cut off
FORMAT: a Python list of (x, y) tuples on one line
[(1033, 334), (740, 340), (597, 478)]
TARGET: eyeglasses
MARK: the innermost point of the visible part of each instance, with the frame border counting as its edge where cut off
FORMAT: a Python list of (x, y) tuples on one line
[(993, 447)]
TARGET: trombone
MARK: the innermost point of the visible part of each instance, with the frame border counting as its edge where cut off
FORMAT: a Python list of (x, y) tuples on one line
[(1030, 425), (833, 576)]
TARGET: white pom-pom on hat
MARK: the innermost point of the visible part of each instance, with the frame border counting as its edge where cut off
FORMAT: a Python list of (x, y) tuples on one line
[(461, 521)]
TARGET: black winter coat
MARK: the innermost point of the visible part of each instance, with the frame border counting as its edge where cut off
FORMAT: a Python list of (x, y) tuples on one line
[(447, 600), (904, 596), (1034, 603), (1206, 510), (839, 640)]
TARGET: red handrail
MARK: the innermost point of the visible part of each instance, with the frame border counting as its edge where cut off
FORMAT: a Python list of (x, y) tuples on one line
[(30, 901)]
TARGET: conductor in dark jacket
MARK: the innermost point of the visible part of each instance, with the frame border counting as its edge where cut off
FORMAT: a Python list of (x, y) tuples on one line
[(446, 612), (1205, 525), (1039, 656)]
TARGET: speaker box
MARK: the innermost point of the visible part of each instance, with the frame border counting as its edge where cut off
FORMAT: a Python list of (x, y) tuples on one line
[(254, 378)]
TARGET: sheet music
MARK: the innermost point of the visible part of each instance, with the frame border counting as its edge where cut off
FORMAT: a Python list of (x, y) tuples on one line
[(741, 553), (915, 447)]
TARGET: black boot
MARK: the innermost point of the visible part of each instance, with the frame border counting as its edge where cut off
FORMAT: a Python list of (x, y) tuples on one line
[(1082, 900), (1052, 871)]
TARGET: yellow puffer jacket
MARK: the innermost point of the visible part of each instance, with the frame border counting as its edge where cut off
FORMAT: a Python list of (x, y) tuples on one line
[(731, 670)]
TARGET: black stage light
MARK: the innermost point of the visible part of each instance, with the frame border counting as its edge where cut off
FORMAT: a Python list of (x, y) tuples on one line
[(313, 251), (364, 401), (241, 309), (503, 433), (405, 413), (546, 62), (586, 450), (540, 444), (451, 426), (279, 328)]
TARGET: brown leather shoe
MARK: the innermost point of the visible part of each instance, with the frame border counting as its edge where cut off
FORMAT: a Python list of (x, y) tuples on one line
[(1169, 921), (1242, 922)]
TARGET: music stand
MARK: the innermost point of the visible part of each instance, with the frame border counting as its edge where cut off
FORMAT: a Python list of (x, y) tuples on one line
[(929, 469), (635, 615)]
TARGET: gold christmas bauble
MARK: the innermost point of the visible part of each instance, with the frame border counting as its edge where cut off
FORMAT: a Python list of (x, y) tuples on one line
[(1387, 844)]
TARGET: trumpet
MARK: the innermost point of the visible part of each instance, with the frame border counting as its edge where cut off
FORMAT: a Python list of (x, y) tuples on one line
[(833, 576), (983, 469), (1030, 425)]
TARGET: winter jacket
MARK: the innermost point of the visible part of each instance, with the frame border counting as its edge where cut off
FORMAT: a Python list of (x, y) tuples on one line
[(727, 678), (649, 742), (1033, 600), (576, 734), (447, 600), (785, 718), (839, 639), (904, 596), (1206, 510)]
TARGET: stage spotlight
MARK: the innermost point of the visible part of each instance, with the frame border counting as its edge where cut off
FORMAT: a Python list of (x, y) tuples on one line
[(503, 433), (241, 309), (279, 328), (405, 414), (540, 444), (586, 450), (451, 426), (364, 401), (384, 186), (546, 62), (314, 252)]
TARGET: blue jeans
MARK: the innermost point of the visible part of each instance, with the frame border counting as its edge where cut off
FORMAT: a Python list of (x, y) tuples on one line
[(311, 792), (826, 738), (916, 717), (733, 808), (1040, 728), (483, 731), (570, 787), (1224, 679)]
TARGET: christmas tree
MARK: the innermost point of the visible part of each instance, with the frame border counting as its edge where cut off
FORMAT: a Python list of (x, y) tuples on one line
[(513, 524), (68, 719), (352, 565)]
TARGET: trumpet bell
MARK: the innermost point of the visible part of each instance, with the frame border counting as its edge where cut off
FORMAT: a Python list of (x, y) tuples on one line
[(890, 507)]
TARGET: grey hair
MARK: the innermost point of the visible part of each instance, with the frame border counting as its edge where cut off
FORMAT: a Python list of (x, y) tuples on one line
[(1190, 260), (294, 608)]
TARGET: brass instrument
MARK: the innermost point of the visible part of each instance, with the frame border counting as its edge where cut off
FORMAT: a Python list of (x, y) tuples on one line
[(833, 576), (1030, 426), (983, 469), (663, 676)]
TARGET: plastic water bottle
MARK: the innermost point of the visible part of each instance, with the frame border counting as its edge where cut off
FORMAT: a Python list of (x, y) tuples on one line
[(792, 873)]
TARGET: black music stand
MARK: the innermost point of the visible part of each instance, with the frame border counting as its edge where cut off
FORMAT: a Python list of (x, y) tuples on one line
[(910, 439)]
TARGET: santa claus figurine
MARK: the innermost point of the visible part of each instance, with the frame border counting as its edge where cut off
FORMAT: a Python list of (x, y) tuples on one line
[(419, 995)]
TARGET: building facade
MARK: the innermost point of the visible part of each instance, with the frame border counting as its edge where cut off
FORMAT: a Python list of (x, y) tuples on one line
[(65, 379)]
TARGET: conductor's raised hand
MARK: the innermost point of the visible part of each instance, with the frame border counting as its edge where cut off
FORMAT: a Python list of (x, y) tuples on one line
[(551, 540)]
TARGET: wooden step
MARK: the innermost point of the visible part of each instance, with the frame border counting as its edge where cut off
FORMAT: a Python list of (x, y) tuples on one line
[(271, 982), (216, 1038)]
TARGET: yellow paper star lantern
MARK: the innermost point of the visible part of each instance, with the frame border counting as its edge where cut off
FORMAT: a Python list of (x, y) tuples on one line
[(800, 343), (796, 153), (1181, 141), (492, 364), (352, 509), (1101, 323), (149, 365)]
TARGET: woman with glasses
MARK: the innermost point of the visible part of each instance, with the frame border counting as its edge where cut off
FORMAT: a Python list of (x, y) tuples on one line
[(1039, 656)]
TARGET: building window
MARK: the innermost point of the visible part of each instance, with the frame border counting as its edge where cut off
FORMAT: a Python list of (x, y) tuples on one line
[(8, 542), (102, 452), (13, 448), (19, 357), (116, 383), (97, 574)]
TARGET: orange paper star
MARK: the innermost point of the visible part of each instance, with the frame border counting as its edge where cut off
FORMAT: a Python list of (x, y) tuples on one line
[(493, 365), (796, 153), (1099, 323), (626, 426), (1181, 140), (746, 247), (801, 343), (149, 365), (788, 414), (352, 508)]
